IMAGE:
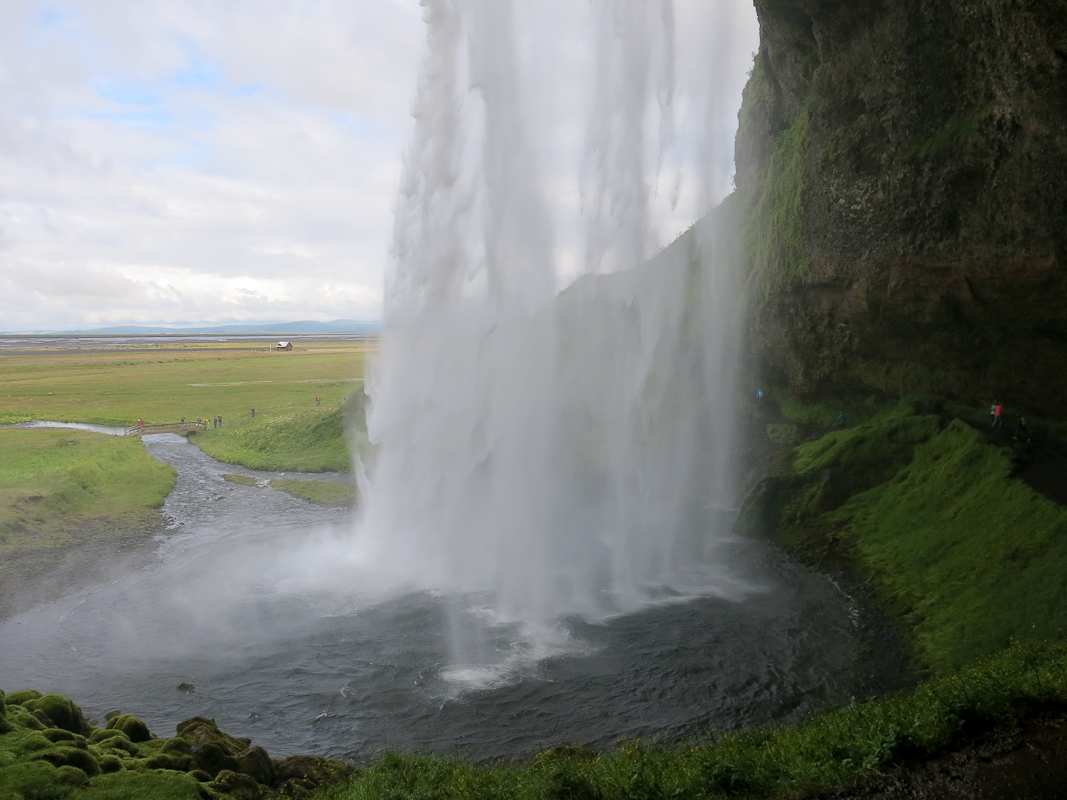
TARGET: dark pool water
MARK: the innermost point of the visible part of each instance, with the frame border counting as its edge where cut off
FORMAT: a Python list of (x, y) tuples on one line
[(260, 602)]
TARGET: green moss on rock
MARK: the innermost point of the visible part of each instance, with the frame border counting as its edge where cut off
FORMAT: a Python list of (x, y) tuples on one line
[(135, 730), (62, 712), (21, 696)]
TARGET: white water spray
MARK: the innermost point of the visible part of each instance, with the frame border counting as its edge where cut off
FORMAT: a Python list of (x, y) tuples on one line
[(565, 454)]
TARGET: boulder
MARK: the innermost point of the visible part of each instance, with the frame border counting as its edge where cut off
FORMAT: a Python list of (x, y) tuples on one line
[(71, 776), (237, 785), (62, 712), (309, 772), (70, 756), (135, 730), (255, 763), (20, 697)]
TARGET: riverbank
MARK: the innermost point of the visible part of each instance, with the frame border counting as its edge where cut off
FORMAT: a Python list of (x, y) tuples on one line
[(318, 439), (72, 505)]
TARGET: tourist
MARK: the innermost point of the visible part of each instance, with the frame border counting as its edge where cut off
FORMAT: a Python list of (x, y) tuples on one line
[(1020, 429), (998, 415), (253, 413)]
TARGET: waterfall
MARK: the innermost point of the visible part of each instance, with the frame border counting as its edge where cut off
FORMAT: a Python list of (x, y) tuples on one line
[(561, 452)]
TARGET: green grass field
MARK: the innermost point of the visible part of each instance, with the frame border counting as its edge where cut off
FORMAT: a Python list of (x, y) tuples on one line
[(118, 388)]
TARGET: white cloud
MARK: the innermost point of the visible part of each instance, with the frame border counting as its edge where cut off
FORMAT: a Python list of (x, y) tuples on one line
[(189, 160)]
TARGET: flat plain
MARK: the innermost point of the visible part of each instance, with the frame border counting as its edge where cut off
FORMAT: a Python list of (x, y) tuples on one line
[(62, 491), (118, 382)]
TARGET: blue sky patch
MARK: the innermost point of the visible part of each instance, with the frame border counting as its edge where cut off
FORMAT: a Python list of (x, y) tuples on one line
[(127, 94)]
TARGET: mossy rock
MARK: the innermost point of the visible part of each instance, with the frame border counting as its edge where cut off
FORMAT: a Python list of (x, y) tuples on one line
[(237, 785), (28, 747), (135, 730), (784, 434), (177, 747), (256, 763), (178, 763), (101, 735), (212, 750), (309, 772), (70, 756), (21, 718), (71, 776), (110, 763), (62, 712), (62, 735), (20, 697)]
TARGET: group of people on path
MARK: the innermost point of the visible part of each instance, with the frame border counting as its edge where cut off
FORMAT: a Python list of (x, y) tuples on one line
[(996, 411), (216, 422)]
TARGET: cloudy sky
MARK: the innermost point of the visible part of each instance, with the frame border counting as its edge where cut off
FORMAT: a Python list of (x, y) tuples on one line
[(185, 161)]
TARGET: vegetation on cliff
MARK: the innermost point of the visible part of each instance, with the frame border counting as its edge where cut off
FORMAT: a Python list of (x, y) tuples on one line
[(911, 239), (928, 510)]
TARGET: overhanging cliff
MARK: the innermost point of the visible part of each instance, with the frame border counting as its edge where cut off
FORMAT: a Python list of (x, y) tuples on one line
[(907, 167)]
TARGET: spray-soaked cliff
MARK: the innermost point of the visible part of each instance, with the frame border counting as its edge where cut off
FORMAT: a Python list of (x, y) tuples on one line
[(906, 163)]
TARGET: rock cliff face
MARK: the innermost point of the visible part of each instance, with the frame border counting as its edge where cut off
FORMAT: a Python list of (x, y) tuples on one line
[(906, 162)]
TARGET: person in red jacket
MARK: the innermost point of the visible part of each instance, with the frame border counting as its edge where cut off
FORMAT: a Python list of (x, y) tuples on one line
[(998, 415)]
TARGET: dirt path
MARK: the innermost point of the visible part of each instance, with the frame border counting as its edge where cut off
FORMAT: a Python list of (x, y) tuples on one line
[(1019, 760)]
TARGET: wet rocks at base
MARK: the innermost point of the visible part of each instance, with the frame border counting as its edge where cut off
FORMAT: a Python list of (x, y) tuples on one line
[(45, 739)]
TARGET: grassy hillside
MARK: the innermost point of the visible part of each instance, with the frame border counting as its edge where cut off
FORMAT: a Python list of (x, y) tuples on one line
[(927, 508)]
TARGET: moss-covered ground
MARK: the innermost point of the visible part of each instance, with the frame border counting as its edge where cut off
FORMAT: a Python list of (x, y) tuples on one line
[(49, 751), (927, 508)]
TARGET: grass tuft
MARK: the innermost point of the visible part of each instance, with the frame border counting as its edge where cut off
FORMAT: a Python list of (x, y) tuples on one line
[(326, 493)]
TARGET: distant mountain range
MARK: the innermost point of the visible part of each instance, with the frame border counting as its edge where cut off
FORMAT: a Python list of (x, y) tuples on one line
[(273, 328)]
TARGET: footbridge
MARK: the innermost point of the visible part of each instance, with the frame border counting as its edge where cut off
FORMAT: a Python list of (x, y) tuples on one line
[(166, 427)]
